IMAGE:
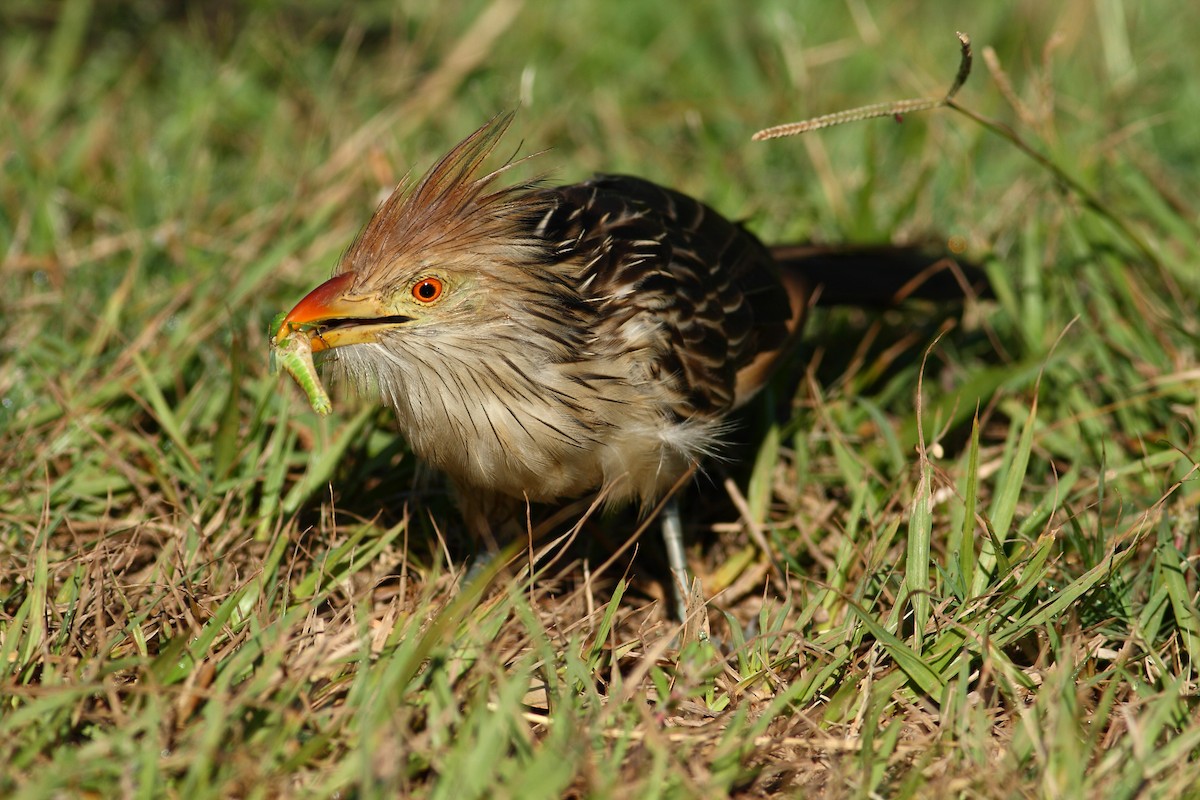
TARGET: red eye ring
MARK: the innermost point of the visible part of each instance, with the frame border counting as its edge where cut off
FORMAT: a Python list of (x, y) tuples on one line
[(428, 289)]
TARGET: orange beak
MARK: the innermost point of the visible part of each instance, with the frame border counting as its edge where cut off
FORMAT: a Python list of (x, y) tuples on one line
[(335, 318)]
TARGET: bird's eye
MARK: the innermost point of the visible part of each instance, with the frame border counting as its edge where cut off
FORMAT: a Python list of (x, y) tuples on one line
[(428, 289)]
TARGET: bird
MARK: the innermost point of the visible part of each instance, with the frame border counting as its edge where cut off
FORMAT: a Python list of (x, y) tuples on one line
[(541, 343)]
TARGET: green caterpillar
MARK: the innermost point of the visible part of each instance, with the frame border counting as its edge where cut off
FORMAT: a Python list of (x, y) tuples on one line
[(294, 353)]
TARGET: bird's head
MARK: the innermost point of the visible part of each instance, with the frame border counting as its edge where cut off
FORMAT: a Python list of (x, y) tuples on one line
[(351, 308), (440, 259)]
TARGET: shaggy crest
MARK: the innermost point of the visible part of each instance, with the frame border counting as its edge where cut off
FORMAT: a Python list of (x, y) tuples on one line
[(452, 212)]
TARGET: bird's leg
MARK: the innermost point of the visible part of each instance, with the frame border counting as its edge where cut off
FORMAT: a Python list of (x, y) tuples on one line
[(672, 532), (483, 512)]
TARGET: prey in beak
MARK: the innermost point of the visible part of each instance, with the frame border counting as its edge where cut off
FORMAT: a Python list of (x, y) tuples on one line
[(329, 316)]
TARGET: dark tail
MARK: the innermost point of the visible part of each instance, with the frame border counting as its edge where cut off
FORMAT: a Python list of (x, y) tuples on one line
[(882, 275)]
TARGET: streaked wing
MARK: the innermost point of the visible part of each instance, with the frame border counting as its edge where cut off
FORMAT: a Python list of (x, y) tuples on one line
[(670, 275)]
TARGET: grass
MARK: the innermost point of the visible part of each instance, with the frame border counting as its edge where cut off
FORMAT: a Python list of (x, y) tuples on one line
[(982, 532)]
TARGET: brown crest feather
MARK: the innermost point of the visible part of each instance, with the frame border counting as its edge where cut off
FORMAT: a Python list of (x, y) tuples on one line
[(450, 212)]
